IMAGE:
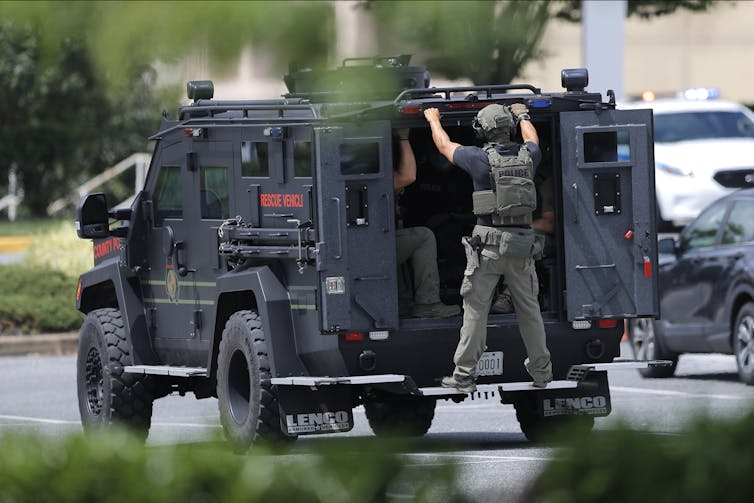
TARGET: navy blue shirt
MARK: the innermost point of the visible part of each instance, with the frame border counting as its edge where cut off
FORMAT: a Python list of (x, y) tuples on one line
[(474, 161)]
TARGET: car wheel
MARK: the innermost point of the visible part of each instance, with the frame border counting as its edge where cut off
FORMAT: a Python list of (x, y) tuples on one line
[(743, 343), (106, 394), (539, 429), (647, 344), (246, 399), (400, 416)]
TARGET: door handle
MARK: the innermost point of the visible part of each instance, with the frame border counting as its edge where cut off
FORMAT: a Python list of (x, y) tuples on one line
[(575, 201), (339, 219)]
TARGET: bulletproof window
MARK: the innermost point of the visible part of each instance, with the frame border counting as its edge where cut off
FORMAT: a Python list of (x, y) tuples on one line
[(168, 194), (702, 232), (740, 225), (255, 159), (360, 158), (607, 146), (302, 159), (213, 192)]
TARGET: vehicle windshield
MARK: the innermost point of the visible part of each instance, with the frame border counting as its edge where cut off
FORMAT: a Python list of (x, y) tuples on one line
[(702, 125)]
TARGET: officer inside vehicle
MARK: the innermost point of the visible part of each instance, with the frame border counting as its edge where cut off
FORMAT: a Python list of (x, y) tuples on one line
[(502, 242), (418, 244)]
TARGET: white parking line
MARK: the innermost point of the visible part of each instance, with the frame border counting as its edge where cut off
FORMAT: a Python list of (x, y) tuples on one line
[(666, 392), (27, 419), (470, 459), (42, 420)]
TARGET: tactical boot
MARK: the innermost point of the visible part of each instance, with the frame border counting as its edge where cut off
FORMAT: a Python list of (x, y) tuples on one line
[(541, 383), (435, 310), (463, 385)]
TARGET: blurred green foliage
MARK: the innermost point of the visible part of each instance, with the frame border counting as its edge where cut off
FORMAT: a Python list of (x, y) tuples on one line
[(123, 37), (711, 460), (115, 467), (487, 42)]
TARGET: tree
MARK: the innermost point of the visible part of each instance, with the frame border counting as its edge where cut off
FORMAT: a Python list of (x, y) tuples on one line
[(73, 105), (487, 41), (59, 125), (646, 9)]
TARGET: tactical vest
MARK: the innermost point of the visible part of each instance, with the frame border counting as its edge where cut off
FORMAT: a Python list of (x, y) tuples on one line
[(513, 197)]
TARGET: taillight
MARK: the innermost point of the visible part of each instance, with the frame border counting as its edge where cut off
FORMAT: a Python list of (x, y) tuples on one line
[(353, 336), (607, 323)]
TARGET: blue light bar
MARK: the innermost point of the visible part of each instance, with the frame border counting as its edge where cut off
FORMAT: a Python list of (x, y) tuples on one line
[(539, 104)]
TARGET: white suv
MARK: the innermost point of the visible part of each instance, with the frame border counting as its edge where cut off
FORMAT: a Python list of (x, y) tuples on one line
[(704, 149)]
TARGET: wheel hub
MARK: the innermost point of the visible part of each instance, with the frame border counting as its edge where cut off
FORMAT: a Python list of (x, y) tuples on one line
[(94, 382), (745, 336), (239, 387)]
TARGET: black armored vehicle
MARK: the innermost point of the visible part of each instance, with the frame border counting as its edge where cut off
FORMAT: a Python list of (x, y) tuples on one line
[(258, 263)]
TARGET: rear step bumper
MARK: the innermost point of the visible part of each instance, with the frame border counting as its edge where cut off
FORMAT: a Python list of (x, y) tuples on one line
[(573, 378)]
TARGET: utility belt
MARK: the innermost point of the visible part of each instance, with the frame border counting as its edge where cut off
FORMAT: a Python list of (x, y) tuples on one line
[(514, 242)]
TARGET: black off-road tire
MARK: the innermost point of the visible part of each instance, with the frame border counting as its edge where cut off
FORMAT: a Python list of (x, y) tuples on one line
[(540, 429), (743, 343), (647, 344), (246, 399), (400, 415), (106, 394)]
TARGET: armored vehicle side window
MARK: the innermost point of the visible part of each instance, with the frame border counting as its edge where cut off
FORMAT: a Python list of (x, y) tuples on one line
[(214, 192), (168, 195), (255, 159), (302, 159), (359, 158), (607, 146)]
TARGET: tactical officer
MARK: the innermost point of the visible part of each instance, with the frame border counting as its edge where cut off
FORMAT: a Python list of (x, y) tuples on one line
[(502, 242)]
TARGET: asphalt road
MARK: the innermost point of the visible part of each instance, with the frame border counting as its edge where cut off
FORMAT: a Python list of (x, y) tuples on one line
[(482, 436)]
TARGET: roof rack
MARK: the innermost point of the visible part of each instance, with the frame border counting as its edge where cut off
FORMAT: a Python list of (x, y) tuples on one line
[(214, 108), (447, 90)]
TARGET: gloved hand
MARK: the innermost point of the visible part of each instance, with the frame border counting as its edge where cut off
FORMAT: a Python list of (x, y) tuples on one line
[(402, 133), (518, 109)]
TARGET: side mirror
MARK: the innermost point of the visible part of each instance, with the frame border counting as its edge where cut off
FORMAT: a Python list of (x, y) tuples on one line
[(667, 246), (92, 219)]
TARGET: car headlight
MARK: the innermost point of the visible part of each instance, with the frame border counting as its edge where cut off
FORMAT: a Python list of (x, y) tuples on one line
[(674, 170)]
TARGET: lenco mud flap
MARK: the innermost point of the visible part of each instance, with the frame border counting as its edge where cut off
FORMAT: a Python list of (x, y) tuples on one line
[(306, 411), (591, 397)]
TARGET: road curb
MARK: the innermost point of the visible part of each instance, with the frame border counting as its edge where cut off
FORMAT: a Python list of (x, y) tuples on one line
[(14, 244), (42, 344)]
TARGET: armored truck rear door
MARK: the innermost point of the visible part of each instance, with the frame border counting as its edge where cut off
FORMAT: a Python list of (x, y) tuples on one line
[(608, 216), (356, 227)]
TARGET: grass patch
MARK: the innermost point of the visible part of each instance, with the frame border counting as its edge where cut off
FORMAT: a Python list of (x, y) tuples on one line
[(30, 227)]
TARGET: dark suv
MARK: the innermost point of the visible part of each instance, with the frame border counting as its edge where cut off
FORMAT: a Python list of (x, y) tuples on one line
[(706, 290)]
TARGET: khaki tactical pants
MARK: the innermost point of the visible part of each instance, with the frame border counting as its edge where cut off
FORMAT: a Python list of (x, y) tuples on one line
[(419, 245), (477, 289)]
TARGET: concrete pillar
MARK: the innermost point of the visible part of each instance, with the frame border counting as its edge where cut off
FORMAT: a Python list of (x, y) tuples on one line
[(603, 24)]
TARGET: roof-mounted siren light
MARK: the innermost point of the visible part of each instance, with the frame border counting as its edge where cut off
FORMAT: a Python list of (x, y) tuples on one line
[(574, 80), (200, 90)]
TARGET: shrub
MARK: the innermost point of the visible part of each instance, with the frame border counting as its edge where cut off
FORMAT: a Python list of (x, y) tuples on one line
[(712, 460), (115, 467), (37, 300), (59, 248)]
